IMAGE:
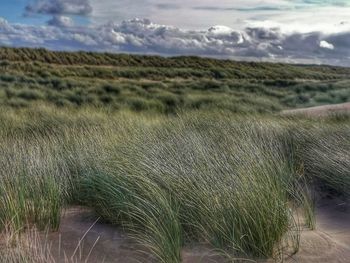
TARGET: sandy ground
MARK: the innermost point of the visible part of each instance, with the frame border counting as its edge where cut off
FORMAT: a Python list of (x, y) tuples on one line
[(329, 243), (106, 243), (320, 110), (83, 237)]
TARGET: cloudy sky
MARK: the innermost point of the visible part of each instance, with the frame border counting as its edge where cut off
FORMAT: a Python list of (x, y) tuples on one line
[(296, 31)]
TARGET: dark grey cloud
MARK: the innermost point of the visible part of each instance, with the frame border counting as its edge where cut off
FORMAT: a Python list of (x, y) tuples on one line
[(143, 36), (59, 7), (325, 2), (243, 9), (168, 6)]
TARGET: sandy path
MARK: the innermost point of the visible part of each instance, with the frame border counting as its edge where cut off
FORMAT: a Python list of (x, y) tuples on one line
[(320, 110), (107, 243), (330, 243)]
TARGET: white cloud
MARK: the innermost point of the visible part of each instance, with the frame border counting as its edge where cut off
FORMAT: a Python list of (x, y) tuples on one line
[(325, 44), (220, 30), (294, 15), (60, 21), (300, 15), (143, 36), (306, 20)]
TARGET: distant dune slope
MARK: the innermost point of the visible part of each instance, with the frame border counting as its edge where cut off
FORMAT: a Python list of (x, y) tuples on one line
[(321, 110), (164, 85)]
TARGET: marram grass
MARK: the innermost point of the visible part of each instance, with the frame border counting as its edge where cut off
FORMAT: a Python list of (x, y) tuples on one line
[(234, 183)]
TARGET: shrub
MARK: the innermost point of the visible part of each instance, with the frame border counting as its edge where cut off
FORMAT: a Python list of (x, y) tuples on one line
[(30, 94), (111, 89)]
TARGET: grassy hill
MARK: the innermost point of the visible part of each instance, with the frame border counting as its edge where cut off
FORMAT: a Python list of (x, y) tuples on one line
[(166, 85), (71, 134)]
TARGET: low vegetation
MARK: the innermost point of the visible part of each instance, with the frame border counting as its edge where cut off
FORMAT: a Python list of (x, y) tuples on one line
[(164, 85)]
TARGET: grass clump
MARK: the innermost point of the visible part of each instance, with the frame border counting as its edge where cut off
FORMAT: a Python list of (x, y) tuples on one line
[(143, 208), (32, 188), (328, 157), (184, 184)]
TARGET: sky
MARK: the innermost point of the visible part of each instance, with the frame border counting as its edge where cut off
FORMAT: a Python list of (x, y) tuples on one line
[(294, 31)]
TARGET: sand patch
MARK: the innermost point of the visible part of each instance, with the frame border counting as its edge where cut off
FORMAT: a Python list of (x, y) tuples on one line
[(320, 111), (329, 243), (101, 243)]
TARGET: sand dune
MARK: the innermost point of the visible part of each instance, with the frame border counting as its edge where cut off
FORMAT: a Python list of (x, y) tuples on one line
[(329, 243)]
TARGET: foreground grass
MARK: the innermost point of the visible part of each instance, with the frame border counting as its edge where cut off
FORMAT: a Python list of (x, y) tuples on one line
[(231, 182)]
